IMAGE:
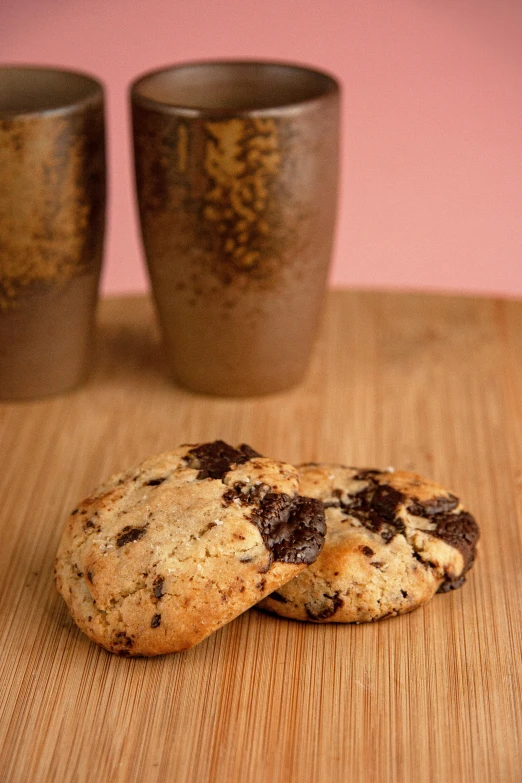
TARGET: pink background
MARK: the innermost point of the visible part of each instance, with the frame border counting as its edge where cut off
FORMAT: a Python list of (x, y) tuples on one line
[(432, 149)]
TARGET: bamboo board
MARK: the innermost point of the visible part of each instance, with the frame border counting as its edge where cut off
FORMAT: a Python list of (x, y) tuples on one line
[(428, 383)]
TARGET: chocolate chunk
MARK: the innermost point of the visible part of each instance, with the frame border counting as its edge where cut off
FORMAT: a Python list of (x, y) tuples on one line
[(427, 508), (360, 501), (451, 584), (404, 593), (333, 603), (123, 642), (254, 493), (388, 533), (377, 524), (293, 530), (74, 511), (375, 507), (229, 496), (130, 534), (278, 597), (385, 501), (90, 576), (366, 473), (217, 458), (158, 587), (371, 520), (380, 501), (155, 482), (156, 621), (460, 531), (367, 551), (246, 497)]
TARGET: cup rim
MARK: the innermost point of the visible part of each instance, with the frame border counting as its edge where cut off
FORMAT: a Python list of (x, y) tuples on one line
[(333, 89), (94, 91)]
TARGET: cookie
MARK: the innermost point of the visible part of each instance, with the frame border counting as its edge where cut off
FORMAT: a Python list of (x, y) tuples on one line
[(161, 556), (393, 540)]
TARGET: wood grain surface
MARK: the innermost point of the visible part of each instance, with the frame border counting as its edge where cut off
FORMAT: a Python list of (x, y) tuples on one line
[(428, 383)]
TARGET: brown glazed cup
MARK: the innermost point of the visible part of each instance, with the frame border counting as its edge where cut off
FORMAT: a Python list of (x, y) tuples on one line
[(236, 174), (52, 216)]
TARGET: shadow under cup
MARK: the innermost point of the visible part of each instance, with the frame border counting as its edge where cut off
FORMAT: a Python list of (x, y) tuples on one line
[(236, 175), (52, 217)]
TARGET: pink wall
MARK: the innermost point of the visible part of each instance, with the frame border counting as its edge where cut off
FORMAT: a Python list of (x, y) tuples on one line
[(432, 172)]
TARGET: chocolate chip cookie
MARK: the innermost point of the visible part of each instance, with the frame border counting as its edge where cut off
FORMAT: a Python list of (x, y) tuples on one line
[(161, 556), (393, 540)]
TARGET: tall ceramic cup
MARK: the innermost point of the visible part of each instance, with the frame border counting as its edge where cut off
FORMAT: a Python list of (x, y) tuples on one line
[(236, 173), (52, 213)]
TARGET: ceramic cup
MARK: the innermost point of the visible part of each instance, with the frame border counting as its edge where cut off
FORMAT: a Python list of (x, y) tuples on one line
[(52, 215), (236, 174)]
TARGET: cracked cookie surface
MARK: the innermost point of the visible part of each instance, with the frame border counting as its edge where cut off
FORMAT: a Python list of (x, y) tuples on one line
[(393, 540), (161, 556)]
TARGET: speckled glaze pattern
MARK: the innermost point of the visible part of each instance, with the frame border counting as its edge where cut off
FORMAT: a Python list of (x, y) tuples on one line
[(237, 216), (52, 200), (52, 218)]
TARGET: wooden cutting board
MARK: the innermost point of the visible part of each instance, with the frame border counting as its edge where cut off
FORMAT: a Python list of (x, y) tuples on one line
[(428, 383)]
